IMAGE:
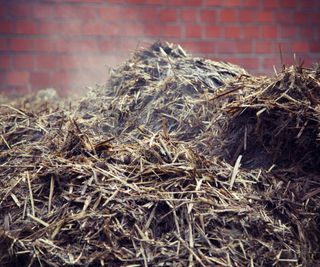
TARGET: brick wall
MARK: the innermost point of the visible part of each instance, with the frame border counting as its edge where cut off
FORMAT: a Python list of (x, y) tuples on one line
[(67, 43)]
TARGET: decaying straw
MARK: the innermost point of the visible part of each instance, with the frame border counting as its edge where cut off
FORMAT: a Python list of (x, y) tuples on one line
[(176, 161)]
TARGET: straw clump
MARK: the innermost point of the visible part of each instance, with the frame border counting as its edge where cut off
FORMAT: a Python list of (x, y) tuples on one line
[(280, 120), (176, 161)]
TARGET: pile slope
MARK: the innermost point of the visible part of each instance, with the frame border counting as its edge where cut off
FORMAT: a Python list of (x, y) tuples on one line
[(176, 161)]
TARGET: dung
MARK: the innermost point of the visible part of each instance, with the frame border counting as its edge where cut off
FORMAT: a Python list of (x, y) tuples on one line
[(276, 122), (175, 161)]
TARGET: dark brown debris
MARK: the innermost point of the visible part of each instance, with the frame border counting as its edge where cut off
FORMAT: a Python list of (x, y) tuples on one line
[(176, 161)]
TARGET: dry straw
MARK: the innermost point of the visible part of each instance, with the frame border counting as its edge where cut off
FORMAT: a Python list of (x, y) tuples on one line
[(176, 161)]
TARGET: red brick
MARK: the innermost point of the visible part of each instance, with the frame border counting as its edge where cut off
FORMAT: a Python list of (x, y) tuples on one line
[(71, 78), (17, 77), (255, 16), (289, 32), (127, 1), (191, 2), (148, 14), (134, 29), (208, 16), (214, 2), (88, 78), (231, 47), (287, 3), (3, 45), (232, 31), (228, 15), (47, 45), (317, 33), (232, 3), (295, 28), (271, 3), (269, 62), (43, 10), (226, 47), (184, 2), (218, 58), (67, 11), (98, 62), (251, 31), (49, 28), (244, 47), (248, 15), (168, 15), (76, 12), (93, 28), (3, 80), (71, 28), (108, 46), (20, 44), (308, 61), (130, 13), (19, 90), (110, 13), (153, 30), (315, 17), (315, 47), (154, 2), (189, 15), (289, 60), (247, 62), (307, 4), (139, 14), (61, 45), (213, 31), (264, 47), (236, 61), (113, 29), (3, 10), (84, 1), (190, 46), (39, 79), (82, 45), (284, 16), (45, 62), (91, 63), (300, 47), (23, 61), (26, 27), (250, 3), (269, 31), (88, 12), (205, 47), (302, 18), (6, 26), (171, 31), (193, 31), (264, 16), (20, 10), (127, 45), (285, 47), (5, 62), (60, 78)]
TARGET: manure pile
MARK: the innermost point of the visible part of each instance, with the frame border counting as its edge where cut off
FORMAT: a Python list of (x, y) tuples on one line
[(176, 161)]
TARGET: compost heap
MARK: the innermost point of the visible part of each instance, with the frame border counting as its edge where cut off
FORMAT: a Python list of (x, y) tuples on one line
[(176, 161)]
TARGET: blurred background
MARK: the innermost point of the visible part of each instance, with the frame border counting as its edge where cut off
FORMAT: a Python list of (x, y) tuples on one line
[(68, 44)]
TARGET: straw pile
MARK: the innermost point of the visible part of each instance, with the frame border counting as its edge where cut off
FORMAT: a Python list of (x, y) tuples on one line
[(158, 85), (176, 161)]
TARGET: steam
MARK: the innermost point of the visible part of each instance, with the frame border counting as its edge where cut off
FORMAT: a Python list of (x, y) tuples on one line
[(88, 56)]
